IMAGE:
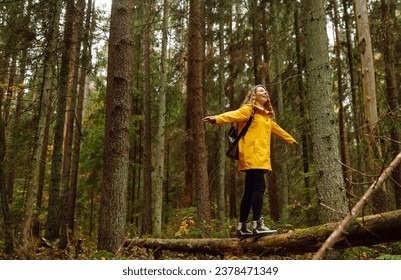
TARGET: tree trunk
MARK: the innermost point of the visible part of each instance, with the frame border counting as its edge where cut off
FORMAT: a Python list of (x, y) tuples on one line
[(189, 152), (355, 98), (42, 169), (38, 163), (273, 188), (147, 144), (364, 231), (380, 201), (230, 89), (20, 107), (302, 106), (329, 182), (135, 213), (254, 20), (265, 45), (221, 157), (79, 115), (55, 202), (8, 238), (161, 130), (12, 125), (188, 166), (118, 115), (195, 110), (67, 205), (40, 145), (281, 148), (347, 175), (388, 20)]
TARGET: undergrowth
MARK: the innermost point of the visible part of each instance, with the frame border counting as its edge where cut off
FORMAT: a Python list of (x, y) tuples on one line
[(182, 224)]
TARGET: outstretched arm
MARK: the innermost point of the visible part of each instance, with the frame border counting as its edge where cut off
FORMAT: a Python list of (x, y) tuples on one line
[(241, 114), (282, 134), (209, 119)]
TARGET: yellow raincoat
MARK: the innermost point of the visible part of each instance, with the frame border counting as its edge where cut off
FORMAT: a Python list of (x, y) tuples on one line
[(254, 147)]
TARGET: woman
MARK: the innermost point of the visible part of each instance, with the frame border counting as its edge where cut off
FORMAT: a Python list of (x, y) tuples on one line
[(254, 153)]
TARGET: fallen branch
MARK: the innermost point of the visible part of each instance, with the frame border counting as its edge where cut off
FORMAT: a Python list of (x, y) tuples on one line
[(370, 230), (341, 228)]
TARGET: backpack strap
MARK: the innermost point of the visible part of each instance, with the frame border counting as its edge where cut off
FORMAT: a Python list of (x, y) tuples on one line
[(245, 129)]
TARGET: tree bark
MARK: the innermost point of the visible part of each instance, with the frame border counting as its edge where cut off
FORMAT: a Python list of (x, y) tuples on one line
[(388, 20), (8, 237), (254, 20), (161, 130), (347, 175), (147, 143), (355, 98), (364, 231), (38, 163), (194, 110), (230, 89), (302, 104), (12, 124), (67, 204), (328, 174), (118, 115), (281, 148), (221, 158), (85, 68), (265, 44), (55, 202), (380, 201)]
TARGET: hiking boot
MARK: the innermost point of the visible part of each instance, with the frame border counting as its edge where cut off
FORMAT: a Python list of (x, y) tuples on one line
[(260, 228), (243, 229)]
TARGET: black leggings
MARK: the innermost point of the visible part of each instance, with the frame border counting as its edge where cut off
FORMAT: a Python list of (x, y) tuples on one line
[(255, 187)]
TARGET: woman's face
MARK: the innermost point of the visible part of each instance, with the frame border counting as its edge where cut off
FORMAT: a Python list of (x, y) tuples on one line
[(261, 95)]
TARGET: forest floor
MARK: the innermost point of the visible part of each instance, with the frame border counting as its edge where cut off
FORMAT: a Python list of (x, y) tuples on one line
[(87, 251)]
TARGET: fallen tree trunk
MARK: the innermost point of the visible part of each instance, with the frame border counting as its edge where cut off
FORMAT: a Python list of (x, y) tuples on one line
[(369, 230)]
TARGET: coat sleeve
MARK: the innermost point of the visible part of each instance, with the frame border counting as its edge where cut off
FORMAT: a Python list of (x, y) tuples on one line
[(281, 133), (239, 115)]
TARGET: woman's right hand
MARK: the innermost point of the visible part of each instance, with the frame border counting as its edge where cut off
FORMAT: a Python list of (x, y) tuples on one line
[(209, 119)]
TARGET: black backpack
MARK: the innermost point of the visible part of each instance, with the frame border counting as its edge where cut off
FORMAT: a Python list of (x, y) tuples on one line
[(234, 137)]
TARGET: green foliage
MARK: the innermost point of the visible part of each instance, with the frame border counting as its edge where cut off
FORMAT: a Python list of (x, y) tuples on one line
[(391, 251), (183, 224), (91, 159), (389, 257), (102, 255), (302, 214)]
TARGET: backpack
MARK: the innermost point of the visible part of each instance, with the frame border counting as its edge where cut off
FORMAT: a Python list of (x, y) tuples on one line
[(234, 137)]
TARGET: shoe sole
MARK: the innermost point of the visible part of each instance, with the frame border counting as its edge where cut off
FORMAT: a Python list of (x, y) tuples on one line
[(242, 234), (272, 232)]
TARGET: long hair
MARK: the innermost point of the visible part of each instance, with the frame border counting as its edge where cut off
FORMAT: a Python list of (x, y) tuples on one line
[(250, 98)]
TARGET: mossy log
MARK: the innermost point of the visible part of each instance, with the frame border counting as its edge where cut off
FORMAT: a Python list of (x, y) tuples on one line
[(368, 230)]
